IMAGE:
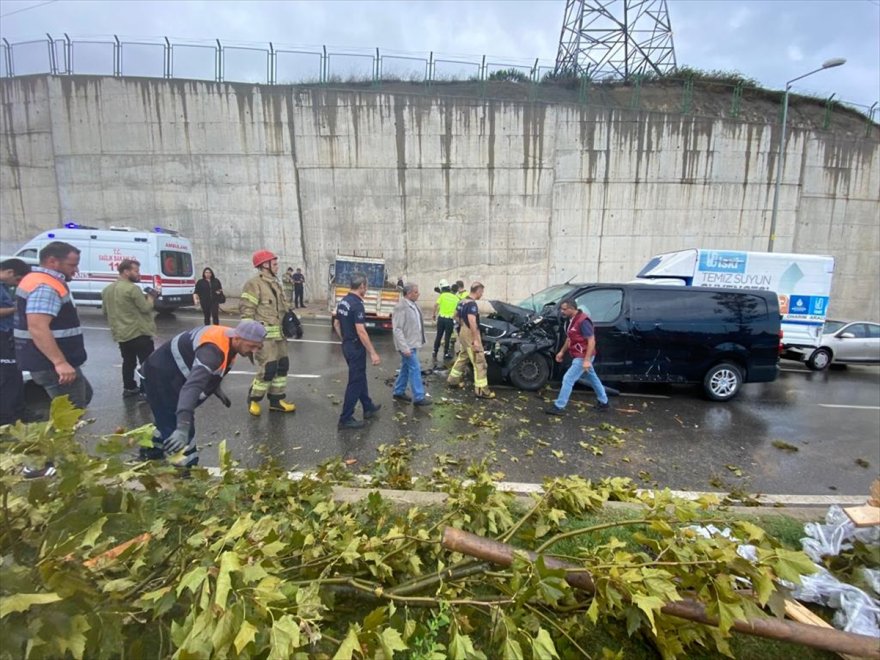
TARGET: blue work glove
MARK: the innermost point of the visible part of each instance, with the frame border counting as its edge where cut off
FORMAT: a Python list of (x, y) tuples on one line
[(175, 442)]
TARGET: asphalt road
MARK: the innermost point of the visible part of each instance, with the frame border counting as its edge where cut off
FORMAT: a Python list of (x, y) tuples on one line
[(659, 436)]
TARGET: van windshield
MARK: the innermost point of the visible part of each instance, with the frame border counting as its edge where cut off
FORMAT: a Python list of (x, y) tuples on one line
[(176, 264), (553, 294)]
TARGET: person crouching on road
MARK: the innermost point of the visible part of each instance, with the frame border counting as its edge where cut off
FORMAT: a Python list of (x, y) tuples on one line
[(349, 324), (409, 336), (580, 343), (470, 345), (182, 373), (262, 299), (444, 315), (130, 314)]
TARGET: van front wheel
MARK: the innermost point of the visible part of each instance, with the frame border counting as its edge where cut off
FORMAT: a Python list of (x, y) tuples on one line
[(722, 382)]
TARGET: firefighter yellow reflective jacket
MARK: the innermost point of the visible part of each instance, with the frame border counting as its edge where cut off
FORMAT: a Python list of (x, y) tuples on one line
[(262, 299)]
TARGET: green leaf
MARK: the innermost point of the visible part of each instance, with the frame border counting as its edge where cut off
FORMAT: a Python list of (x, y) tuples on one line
[(763, 585), (63, 414), (93, 532), (790, 565), (223, 632), (349, 645), (648, 605), (192, 580), (391, 641), (245, 636), (752, 531), (22, 602), (228, 563), (727, 614), (511, 649), (75, 638), (284, 638), (543, 646), (461, 647)]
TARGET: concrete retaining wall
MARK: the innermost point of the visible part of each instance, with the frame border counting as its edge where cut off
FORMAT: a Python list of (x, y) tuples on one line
[(518, 195)]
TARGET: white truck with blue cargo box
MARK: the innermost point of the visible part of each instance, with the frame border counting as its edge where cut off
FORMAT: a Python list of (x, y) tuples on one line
[(381, 296), (802, 282), (166, 261)]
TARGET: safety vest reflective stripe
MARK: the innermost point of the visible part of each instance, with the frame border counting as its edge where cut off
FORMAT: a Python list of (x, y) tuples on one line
[(178, 358), (58, 334), (250, 298)]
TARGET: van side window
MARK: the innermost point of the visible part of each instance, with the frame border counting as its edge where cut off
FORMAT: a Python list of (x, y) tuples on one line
[(30, 253), (700, 307), (176, 264), (601, 305)]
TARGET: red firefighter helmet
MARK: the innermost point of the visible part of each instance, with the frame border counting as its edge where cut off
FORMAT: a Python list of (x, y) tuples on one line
[(262, 256)]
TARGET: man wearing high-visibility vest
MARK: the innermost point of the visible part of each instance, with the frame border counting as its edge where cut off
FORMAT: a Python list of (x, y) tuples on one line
[(263, 300), (182, 373)]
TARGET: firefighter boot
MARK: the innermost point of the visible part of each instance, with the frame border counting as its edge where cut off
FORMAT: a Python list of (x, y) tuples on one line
[(280, 405), (254, 408)]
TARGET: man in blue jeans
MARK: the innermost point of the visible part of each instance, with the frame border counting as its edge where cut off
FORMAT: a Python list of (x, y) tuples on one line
[(580, 342), (409, 337)]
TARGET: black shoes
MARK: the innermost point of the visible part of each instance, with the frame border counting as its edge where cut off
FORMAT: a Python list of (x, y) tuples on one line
[(369, 414), (423, 402), (351, 424), (130, 392), (48, 470), (402, 397), (602, 407), (553, 410)]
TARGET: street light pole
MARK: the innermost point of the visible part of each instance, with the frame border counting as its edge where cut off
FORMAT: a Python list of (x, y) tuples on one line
[(838, 61)]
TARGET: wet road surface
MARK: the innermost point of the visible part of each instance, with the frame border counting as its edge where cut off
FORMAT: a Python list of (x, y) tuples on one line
[(825, 426)]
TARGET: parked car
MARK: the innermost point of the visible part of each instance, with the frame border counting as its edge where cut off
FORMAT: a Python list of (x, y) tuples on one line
[(846, 342), (719, 338)]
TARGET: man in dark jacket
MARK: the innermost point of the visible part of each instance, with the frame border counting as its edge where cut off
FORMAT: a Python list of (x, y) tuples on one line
[(182, 373), (11, 386)]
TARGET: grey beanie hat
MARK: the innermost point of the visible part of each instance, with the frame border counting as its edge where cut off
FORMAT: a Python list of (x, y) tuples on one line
[(248, 330)]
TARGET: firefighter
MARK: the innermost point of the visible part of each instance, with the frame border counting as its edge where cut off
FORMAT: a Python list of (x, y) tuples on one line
[(470, 345), (182, 373), (262, 299)]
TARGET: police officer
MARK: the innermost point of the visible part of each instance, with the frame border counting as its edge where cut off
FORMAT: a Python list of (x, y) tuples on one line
[(356, 344), (182, 373)]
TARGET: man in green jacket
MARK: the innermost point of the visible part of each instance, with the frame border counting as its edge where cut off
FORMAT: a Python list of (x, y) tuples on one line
[(130, 313)]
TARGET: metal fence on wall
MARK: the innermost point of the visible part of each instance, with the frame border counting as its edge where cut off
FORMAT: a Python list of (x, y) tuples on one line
[(287, 65)]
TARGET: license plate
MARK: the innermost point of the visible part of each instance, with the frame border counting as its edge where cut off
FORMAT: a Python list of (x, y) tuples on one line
[(172, 298)]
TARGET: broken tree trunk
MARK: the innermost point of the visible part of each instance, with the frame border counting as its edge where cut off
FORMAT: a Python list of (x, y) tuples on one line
[(833, 640)]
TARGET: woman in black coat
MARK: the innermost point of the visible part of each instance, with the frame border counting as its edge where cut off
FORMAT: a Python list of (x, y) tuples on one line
[(209, 295)]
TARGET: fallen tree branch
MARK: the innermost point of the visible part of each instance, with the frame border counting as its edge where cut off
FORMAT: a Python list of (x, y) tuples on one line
[(833, 640)]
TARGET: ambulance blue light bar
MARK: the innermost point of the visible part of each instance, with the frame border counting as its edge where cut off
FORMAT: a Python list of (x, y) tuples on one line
[(73, 225), (164, 230)]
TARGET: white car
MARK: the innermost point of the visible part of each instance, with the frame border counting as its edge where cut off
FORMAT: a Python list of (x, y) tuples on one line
[(846, 342)]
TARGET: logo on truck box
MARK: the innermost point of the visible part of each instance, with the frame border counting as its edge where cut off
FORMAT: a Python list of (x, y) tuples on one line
[(716, 261)]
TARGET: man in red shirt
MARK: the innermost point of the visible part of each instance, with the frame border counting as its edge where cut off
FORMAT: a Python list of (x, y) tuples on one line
[(580, 342)]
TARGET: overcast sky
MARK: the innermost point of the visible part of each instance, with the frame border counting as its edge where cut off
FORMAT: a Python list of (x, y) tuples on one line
[(769, 40)]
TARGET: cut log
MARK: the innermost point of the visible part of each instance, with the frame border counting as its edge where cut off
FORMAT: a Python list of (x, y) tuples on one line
[(836, 641)]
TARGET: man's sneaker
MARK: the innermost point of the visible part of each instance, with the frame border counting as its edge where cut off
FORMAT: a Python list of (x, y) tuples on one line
[(369, 414), (350, 424), (553, 410), (48, 470), (448, 356), (402, 397), (602, 407), (282, 406), (423, 402), (254, 408), (130, 392)]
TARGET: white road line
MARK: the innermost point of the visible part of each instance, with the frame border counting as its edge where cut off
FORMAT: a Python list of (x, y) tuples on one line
[(315, 341), (835, 405), (251, 373), (795, 371)]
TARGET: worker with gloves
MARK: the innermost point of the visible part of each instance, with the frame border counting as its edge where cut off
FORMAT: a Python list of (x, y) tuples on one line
[(263, 300), (182, 373)]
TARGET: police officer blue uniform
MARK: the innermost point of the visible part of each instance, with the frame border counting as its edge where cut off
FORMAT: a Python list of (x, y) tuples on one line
[(349, 313)]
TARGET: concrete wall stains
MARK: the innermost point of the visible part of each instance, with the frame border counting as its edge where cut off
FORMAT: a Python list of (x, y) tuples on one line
[(519, 195)]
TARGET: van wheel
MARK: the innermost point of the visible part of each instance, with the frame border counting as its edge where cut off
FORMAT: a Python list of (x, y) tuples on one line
[(722, 382), (819, 360), (530, 374)]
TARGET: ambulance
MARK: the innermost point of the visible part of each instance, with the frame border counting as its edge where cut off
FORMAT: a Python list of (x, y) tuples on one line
[(801, 281), (165, 257)]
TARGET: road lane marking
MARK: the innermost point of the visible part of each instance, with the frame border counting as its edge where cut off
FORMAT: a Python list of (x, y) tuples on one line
[(253, 373), (316, 341), (836, 405)]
